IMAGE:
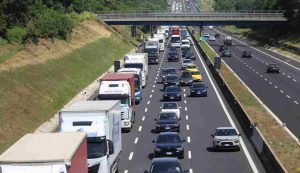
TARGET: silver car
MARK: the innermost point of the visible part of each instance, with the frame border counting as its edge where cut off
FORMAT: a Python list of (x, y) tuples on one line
[(226, 138), (186, 62)]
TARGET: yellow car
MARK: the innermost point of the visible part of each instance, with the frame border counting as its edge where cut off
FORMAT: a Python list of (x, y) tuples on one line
[(191, 67), (196, 75)]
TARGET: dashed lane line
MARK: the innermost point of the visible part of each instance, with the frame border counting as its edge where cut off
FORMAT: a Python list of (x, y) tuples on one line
[(187, 127), (184, 95), (275, 86), (150, 95), (126, 171), (189, 139), (148, 102), (281, 91), (185, 108), (190, 154), (143, 119), (146, 109), (187, 117), (184, 101), (130, 156), (153, 86), (191, 171), (288, 96), (140, 128), (152, 91), (296, 102), (136, 140)]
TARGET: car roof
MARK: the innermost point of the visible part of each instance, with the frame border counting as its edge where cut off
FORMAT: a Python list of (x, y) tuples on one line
[(165, 159)]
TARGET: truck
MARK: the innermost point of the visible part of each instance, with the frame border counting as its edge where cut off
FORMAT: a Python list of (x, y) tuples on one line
[(101, 121), (120, 86), (137, 80), (138, 60), (175, 30), (228, 41), (176, 41), (46, 153), (162, 41), (152, 48)]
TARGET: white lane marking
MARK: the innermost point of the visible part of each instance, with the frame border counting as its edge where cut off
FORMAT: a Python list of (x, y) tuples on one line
[(130, 156), (294, 80), (136, 140), (191, 170), (275, 87), (281, 91), (189, 139), (266, 79), (155, 81), (288, 96), (245, 150), (263, 52), (157, 75), (190, 154), (184, 95), (283, 73), (296, 102), (148, 102), (270, 83), (153, 86), (289, 76), (150, 95), (126, 171), (185, 108), (184, 101), (187, 127), (155, 78), (143, 119), (261, 75), (146, 109), (187, 117), (257, 73), (140, 128), (152, 91), (183, 90)]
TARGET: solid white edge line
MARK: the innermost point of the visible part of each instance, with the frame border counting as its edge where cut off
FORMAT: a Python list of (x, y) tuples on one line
[(248, 156), (130, 156)]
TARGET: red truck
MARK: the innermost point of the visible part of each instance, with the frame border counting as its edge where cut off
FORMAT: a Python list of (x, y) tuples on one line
[(46, 153), (120, 86), (175, 30)]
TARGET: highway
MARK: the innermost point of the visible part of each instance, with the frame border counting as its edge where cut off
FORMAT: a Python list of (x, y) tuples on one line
[(279, 92), (200, 116)]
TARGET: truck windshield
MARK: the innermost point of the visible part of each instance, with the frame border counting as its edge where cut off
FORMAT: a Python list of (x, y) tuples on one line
[(137, 82), (125, 100), (96, 147), (134, 65), (150, 50), (175, 40)]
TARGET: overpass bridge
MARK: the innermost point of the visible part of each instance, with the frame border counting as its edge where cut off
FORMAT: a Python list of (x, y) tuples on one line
[(203, 18)]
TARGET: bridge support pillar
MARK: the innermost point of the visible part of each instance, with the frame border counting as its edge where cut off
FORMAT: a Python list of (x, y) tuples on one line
[(201, 30), (133, 31)]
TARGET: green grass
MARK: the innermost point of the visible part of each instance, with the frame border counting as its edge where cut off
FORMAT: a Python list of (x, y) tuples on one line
[(11, 53), (237, 30), (32, 94)]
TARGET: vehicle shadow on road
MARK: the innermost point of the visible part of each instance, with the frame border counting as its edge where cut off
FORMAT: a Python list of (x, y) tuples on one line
[(151, 156), (212, 149)]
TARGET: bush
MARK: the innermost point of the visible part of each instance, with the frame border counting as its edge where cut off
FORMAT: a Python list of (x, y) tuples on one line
[(77, 18), (51, 23), (16, 34)]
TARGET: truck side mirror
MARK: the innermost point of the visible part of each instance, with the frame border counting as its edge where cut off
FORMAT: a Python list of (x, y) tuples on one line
[(110, 146)]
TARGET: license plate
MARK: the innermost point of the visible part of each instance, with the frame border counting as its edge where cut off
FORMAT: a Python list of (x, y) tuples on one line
[(172, 98), (168, 128), (227, 145), (198, 92), (169, 153)]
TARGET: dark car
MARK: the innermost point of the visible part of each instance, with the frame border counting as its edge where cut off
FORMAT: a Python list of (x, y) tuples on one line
[(166, 165), (173, 56), (186, 78), (171, 80), (222, 48), (272, 68), (217, 35), (169, 144), (198, 89), (167, 71), (188, 54), (167, 121), (172, 93), (247, 54), (226, 53)]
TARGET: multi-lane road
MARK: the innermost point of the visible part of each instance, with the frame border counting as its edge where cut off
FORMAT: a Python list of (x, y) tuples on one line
[(279, 92), (200, 116)]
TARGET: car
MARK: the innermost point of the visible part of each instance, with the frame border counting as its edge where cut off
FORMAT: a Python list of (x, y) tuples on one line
[(191, 67), (169, 144), (187, 54), (171, 80), (247, 54), (212, 38), (228, 40), (196, 75), (171, 107), (198, 89), (273, 68), (217, 35), (173, 56), (206, 35), (166, 165), (210, 27), (185, 44), (226, 53), (186, 78), (165, 71), (172, 93), (167, 121), (186, 62), (222, 48), (226, 138)]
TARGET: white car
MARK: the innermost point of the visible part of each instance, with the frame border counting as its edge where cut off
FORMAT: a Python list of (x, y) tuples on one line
[(186, 62), (212, 38), (206, 35), (226, 138), (210, 27), (171, 107), (185, 44)]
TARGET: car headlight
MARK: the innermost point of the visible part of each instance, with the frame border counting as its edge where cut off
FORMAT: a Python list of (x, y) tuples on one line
[(218, 140), (126, 123), (237, 141), (203, 90), (178, 95), (157, 125), (180, 148), (165, 95), (157, 149), (166, 83)]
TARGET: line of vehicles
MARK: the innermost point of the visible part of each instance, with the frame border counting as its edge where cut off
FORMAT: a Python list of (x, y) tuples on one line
[(89, 136)]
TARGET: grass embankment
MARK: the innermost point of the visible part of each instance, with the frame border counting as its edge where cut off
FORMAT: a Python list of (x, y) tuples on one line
[(30, 95), (282, 144), (207, 5)]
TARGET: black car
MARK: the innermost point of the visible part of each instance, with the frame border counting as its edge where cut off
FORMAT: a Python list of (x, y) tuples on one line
[(166, 165), (172, 93), (169, 144), (226, 53), (222, 48), (186, 78), (166, 122), (173, 56), (217, 35), (167, 71), (188, 54), (198, 89), (171, 80), (247, 54), (272, 68)]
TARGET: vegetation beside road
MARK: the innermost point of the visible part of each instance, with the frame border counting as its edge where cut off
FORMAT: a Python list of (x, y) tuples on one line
[(282, 144)]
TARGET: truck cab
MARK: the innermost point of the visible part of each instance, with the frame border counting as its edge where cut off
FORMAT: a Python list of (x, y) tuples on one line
[(138, 60), (152, 48), (176, 41), (162, 41), (137, 80)]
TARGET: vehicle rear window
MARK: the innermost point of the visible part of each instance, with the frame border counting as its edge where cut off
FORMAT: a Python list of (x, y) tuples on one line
[(170, 106), (169, 138), (226, 132), (168, 116)]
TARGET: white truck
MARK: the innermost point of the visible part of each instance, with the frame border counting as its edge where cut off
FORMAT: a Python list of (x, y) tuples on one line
[(163, 31), (162, 41), (46, 153), (185, 44), (138, 60), (101, 121)]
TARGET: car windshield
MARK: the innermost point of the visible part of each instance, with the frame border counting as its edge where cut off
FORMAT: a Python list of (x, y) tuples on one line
[(96, 147), (171, 78), (151, 50), (134, 65), (195, 73), (167, 116), (125, 100), (226, 132), (166, 167), (175, 40), (169, 106), (273, 65), (169, 138), (185, 43), (186, 75), (187, 61), (173, 53), (172, 89), (199, 86), (168, 71)]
